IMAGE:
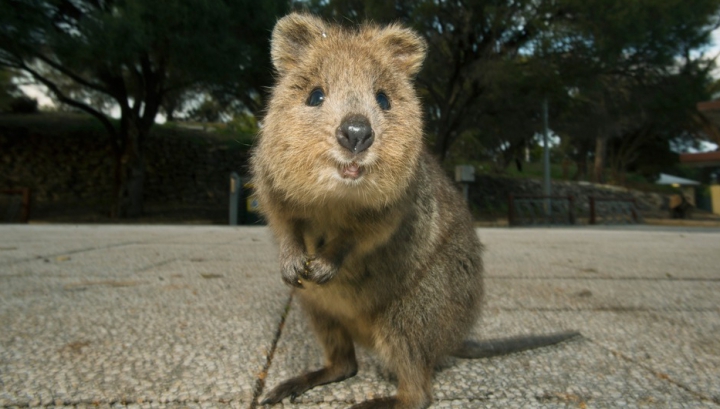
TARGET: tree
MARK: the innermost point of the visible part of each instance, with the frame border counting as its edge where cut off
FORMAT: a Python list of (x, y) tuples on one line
[(138, 53), (622, 58), (666, 116)]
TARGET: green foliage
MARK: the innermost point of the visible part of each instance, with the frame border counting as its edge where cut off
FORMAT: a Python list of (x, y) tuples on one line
[(24, 105), (635, 78), (8, 90), (243, 129), (63, 124), (244, 123), (208, 111)]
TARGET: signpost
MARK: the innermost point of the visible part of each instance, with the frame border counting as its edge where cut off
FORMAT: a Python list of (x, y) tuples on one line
[(465, 174), (547, 191), (235, 189)]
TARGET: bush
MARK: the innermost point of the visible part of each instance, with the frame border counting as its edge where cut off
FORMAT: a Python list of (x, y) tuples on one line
[(24, 105)]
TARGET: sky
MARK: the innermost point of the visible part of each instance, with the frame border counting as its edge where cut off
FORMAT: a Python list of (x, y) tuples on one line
[(714, 51), (34, 92)]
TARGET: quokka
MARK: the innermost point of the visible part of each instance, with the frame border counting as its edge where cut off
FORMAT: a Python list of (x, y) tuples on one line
[(376, 239)]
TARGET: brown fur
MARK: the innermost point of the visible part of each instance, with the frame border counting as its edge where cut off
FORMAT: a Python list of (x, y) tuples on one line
[(390, 259)]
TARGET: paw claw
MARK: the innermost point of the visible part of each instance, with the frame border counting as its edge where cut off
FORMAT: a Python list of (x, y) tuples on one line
[(316, 270), (320, 271)]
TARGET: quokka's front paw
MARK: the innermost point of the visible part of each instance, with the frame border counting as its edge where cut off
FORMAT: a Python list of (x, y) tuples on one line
[(319, 270), (293, 271), (296, 270)]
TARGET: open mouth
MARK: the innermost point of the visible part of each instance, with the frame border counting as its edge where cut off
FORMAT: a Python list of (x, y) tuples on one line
[(351, 171)]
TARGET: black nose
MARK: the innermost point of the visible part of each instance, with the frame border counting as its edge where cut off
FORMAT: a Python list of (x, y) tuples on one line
[(355, 133)]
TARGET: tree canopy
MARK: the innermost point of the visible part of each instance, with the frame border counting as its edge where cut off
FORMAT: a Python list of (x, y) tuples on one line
[(138, 54)]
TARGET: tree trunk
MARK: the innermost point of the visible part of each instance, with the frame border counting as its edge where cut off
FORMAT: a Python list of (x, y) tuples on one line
[(617, 166), (130, 174), (441, 145), (135, 183), (600, 154), (582, 169)]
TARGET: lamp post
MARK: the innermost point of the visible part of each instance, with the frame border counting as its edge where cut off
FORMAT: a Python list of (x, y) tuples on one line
[(546, 161)]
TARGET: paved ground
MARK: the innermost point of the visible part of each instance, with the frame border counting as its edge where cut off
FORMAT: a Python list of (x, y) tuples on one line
[(175, 317)]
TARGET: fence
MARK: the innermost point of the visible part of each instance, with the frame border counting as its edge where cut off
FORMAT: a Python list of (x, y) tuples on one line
[(560, 210), (613, 211), (540, 210)]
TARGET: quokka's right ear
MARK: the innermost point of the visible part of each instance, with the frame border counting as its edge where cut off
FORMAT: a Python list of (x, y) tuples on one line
[(291, 38)]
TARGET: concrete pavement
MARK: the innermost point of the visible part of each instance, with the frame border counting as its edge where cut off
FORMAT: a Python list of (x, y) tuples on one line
[(197, 317)]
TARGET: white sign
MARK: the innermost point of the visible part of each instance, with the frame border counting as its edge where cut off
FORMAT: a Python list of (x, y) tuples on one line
[(465, 173)]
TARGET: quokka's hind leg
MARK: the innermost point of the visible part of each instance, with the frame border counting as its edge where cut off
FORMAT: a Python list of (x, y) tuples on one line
[(340, 362), (414, 386)]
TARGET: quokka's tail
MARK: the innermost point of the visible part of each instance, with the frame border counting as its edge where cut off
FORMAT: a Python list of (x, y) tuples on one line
[(503, 346)]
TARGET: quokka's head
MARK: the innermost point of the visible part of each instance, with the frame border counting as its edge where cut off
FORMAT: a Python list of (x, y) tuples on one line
[(344, 121)]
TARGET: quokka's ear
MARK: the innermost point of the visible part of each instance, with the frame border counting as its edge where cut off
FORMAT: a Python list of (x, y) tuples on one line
[(291, 37), (407, 48)]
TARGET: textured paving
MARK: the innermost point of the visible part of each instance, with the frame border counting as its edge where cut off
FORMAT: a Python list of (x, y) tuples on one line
[(192, 317)]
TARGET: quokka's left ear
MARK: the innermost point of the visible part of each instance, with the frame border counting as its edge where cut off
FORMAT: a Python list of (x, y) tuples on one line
[(407, 48)]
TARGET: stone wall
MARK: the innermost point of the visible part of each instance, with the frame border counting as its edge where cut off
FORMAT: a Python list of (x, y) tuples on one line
[(183, 167), (489, 194), (71, 169)]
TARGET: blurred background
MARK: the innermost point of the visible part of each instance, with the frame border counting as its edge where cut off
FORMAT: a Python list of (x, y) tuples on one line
[(139, 111)]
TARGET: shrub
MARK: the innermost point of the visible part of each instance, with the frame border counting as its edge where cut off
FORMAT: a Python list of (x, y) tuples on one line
[(24, 105)]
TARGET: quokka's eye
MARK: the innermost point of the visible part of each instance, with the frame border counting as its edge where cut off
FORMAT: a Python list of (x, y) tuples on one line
[(316, 98), (382, 100)]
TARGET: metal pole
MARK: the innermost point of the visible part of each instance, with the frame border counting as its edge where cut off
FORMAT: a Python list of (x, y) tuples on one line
[(546, 160), (511, 210), (234, 198)]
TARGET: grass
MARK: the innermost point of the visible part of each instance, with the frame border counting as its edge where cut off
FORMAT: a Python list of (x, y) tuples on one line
[(63, 123), (217, 132), (532, 170)]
